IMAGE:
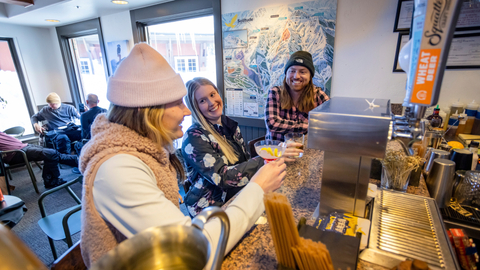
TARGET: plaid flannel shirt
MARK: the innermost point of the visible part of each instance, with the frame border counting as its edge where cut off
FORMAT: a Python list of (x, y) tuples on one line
[(281, 121)]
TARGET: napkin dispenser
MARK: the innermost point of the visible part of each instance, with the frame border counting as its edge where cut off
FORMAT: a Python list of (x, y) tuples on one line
[(351, 132)]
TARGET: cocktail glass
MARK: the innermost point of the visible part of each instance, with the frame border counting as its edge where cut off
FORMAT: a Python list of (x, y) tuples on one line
[(270, 150)]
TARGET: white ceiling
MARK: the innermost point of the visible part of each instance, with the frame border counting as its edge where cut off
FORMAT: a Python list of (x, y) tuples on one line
[(66, 11)]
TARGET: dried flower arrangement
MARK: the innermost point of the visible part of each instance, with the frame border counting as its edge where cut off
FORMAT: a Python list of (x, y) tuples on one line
[(397, 168)]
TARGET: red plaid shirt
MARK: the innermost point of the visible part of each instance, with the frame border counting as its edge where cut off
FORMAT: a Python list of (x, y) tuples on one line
[(281, 121)]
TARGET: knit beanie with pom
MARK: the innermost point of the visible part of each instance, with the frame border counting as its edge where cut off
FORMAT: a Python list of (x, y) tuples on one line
[(143, 79)]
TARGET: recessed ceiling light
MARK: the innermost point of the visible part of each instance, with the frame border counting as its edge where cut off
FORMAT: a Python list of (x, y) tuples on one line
[(120, 2), (51, 20)]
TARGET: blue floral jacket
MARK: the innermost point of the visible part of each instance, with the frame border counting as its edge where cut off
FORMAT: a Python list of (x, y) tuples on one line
[(213, 180)]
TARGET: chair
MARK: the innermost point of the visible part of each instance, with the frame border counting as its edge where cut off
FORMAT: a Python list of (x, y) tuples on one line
[(253, 152), (70, 260), (61, 225), (17, 132), (7, 167)]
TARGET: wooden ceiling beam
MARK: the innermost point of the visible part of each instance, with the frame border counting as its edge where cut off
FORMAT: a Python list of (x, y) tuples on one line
[(24, 3)]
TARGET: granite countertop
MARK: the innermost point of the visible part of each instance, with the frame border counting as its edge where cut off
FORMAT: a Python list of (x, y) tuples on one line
[(302, 188)]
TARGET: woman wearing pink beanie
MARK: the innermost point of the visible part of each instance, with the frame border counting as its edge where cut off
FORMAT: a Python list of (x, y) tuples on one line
[(130, 171)]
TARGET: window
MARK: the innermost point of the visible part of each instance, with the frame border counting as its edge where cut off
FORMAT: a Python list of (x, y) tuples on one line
[(84, 67), (83, 53), (185, 44), (180, 65), (190, 67), (15, 106)]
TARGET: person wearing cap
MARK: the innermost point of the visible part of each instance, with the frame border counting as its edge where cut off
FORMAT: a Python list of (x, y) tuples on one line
[(130, 169), (216, 159), (56, 115), (288, 105)]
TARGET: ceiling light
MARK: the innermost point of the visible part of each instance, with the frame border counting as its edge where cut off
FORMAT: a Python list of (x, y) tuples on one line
[(51, 20), (120, 2)]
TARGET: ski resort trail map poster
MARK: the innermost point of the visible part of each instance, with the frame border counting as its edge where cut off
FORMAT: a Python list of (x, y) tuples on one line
[(272, 34)]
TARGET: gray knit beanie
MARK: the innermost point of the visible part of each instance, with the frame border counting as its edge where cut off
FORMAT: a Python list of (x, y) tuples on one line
[(301, 58), (143, 79)]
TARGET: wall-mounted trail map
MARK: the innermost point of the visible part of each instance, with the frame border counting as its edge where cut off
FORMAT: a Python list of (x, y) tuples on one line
[(272, 35)]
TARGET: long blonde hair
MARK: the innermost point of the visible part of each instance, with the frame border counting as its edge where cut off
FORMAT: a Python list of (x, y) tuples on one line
[(192, 86), (306, 101), (147, 121)]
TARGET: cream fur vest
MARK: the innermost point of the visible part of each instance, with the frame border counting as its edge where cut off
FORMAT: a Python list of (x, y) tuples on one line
[(98, 236)]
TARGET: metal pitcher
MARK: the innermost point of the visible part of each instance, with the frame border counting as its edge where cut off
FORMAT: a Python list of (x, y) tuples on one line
[(169, 247)]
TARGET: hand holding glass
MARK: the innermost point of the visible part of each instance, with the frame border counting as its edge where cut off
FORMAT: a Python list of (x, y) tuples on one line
[(296, 140), (270, 149)]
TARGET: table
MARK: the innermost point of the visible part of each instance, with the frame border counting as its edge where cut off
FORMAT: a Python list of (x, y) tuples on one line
[(12, 210), (302, 188)]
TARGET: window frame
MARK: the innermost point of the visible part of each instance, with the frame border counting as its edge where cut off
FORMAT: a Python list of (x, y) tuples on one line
[(181, 10), (188, 9), (64, 33), (21, 77)]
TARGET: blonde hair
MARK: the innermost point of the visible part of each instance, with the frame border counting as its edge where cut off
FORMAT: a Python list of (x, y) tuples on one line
[(306, 101), (53, 98), (147, 121), (192, 86)]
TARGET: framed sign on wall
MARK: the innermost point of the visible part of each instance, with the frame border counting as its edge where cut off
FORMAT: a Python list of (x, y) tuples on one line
[(469, 18)]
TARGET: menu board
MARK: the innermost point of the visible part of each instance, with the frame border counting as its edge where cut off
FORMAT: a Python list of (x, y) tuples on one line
[(257, 44)]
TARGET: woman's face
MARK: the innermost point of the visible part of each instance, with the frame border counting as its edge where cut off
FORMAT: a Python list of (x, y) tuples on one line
[(173, 117), (210, 103), (298, 77)]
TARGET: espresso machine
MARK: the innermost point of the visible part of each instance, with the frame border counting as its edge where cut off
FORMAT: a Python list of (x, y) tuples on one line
[(352, 132)]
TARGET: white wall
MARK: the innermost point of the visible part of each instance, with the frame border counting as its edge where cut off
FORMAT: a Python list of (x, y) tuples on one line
[(365, 47), (117, 27), (40, 59)]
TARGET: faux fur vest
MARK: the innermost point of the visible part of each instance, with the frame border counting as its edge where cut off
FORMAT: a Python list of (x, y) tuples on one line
[(98, 236)]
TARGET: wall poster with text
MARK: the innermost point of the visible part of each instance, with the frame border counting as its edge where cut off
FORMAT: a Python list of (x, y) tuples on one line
[(273, 34)]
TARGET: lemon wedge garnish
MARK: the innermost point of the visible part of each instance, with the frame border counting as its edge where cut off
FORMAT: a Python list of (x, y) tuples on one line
[(269, 150), (275, 152)]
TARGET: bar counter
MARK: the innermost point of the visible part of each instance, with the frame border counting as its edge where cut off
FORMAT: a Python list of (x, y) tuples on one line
[(302, 188)]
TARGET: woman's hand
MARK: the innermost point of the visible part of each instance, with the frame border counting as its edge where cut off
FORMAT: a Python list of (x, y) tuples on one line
[(270, 177), (292, 152)]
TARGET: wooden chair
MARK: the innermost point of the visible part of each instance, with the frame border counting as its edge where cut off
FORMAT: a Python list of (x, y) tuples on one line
[(61, 225), (251, 147), (70, 260)]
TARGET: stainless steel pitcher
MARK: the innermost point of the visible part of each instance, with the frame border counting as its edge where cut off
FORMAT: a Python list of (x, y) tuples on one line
[(169, 247)]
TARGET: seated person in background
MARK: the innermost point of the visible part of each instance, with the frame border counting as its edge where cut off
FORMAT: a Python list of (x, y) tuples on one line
[(215, 154), (56, 115), (130, 169), (50, 157), (87, 118), (288, 105)]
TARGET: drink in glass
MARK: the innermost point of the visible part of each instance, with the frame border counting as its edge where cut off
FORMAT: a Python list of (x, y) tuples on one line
[(297, 138), (270, 149)]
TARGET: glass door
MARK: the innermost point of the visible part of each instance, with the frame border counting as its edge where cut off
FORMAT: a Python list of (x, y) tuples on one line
[(188, 46), (89, 68), (13, 106)]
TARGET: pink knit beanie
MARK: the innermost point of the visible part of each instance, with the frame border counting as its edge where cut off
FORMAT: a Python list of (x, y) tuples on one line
[(143, 79)]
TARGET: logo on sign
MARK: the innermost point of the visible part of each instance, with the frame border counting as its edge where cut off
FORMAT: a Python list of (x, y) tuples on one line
[(422, 95)]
